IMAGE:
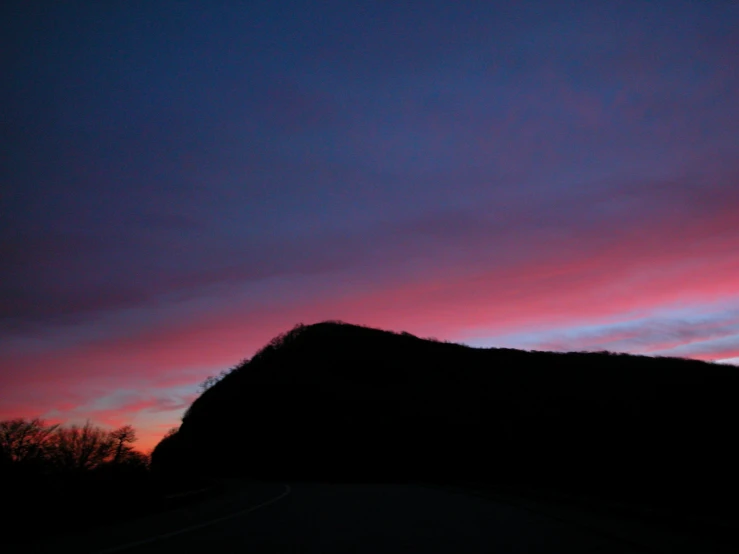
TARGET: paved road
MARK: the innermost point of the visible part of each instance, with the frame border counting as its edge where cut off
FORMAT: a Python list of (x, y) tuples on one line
[(385, 519), (342, 518)]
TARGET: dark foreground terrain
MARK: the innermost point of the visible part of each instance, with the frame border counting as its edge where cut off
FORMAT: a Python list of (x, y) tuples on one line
[(333, 401), (550, 452), (325, 518)]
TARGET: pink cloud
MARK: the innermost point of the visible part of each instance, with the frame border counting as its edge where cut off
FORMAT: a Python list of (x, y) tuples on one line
[(603, 279), (671, 261)]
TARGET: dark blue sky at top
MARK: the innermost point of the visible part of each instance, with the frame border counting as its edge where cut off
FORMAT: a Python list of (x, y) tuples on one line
[(156, 148)]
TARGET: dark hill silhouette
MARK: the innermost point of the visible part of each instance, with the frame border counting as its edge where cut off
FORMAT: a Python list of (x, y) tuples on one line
[(339, 401)]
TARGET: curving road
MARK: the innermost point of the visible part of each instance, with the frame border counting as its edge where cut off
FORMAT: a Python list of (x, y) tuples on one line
[(355, 518)]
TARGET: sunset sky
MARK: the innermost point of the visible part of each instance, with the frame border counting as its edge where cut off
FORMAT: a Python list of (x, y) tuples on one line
[(181, 181)]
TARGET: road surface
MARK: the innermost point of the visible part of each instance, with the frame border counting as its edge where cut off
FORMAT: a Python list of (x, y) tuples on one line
[(354, 518)]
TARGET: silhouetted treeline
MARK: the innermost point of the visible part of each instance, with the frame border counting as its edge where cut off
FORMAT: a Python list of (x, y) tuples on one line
[(337, 401), (56, 478)]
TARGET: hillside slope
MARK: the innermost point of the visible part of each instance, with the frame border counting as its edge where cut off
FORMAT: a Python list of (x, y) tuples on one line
[(339, 401)]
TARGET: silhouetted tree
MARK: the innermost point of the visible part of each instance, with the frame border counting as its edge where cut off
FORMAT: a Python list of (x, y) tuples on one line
[(123, 438), (23, 440), (93, 472), (81, 448)]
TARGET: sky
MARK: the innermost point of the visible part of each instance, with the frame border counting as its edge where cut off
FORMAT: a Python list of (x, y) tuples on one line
[(182, 181)]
